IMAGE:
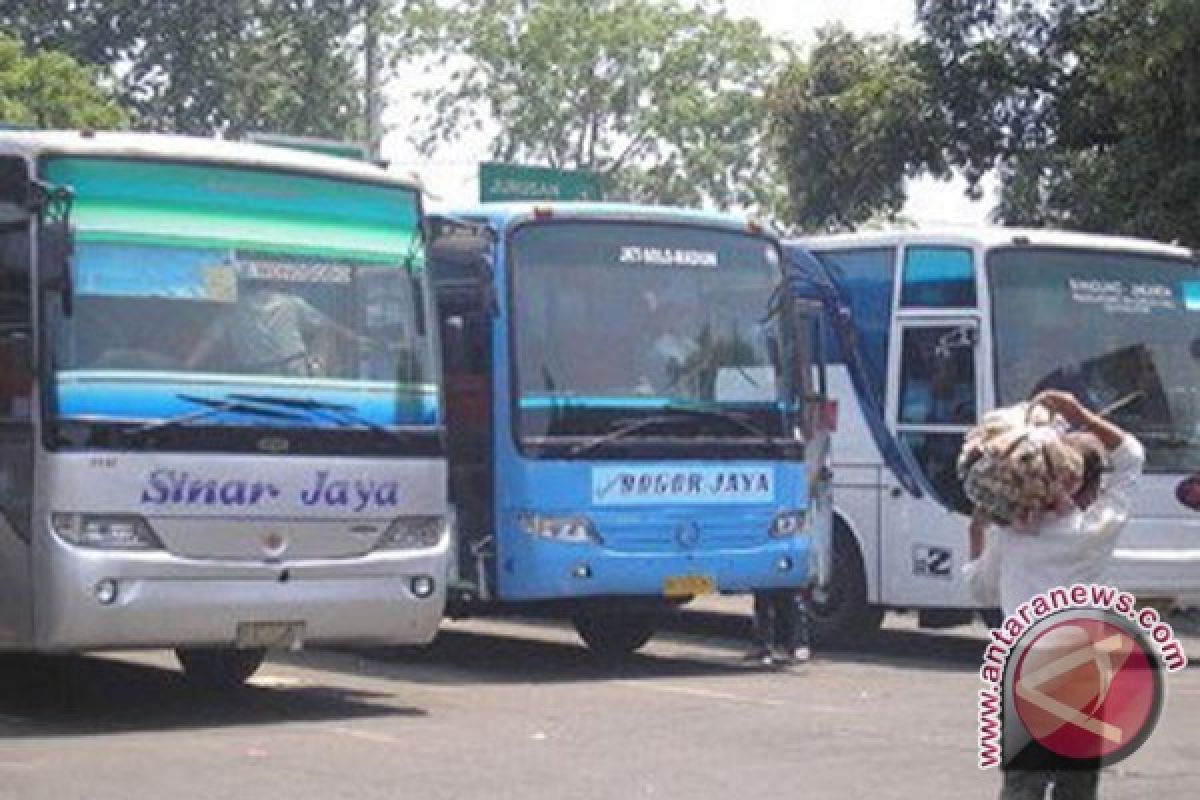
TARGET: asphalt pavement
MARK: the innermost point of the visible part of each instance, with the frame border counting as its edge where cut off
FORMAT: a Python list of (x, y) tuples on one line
[(516, 709)]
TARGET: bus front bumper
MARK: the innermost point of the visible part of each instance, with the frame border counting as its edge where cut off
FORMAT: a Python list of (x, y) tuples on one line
[(104, 600), (562, 571), (1157, 574)]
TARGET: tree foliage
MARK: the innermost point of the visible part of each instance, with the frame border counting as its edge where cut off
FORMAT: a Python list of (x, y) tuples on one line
[(849, 123), (281, 65), (1087, 108), (51, 90), (665, 99)]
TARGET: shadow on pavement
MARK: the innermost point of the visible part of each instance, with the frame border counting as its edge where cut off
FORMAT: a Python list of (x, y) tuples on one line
[(73, 696), (692, 644), (474, 657), (913, 649), (697, 643)]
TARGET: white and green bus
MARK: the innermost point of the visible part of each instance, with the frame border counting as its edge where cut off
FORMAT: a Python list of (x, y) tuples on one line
[(220, 425)]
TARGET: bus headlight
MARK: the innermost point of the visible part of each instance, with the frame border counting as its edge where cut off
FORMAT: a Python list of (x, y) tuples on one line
[(573, 528), (788, 523), (413, 533), (105, 531)]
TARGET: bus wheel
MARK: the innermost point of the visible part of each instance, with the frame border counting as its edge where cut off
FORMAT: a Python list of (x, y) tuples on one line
[(219, 667), (615, 635), (992, 617), (840, 611)]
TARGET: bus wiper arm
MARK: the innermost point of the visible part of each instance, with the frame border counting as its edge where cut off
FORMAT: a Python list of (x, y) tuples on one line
[(736, 418), (623, 430), (1169, 439), (675, 416), (211, 409), (301, 403), (340, 413)]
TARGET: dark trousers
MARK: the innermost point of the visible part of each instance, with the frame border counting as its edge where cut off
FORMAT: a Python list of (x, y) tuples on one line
[(780, 619), (1068, 784)]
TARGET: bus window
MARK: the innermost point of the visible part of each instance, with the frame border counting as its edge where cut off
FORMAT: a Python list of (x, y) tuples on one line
[(938, 277), (866, 278), (937, 401), (1115, 329), (937, 378)]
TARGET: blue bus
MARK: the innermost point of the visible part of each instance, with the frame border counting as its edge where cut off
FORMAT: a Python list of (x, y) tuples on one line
[(636, 412)]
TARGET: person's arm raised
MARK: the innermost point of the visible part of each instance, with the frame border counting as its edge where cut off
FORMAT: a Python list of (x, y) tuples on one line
[(1077, 416)]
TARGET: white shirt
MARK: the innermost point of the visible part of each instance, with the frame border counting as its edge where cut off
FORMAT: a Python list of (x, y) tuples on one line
[(1063, 549)]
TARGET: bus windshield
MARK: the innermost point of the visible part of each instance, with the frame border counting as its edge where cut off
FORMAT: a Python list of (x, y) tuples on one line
[(616, 320), (239, 298), (1113, 328)]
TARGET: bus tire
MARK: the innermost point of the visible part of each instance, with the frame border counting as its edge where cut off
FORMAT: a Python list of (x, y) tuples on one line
[(219, 667), (992, 617), (841, 613), (614, 635)]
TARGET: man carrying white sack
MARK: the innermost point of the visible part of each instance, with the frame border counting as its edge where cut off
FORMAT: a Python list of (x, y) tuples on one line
[(1068, 542)]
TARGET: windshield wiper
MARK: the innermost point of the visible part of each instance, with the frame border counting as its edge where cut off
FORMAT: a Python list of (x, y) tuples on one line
[(676, 415), (1168, 439), (739, 419), (339, 413), (211, 408)]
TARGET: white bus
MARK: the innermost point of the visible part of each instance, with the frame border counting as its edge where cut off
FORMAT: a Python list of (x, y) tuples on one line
[(220, 426), (951, 323)]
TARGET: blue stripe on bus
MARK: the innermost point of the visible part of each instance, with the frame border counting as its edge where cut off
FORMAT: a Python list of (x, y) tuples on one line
[(539, 402), (160, 399)]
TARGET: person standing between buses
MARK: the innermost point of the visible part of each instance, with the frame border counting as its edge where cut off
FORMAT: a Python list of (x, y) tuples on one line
[(1062, 547), (781, 628)]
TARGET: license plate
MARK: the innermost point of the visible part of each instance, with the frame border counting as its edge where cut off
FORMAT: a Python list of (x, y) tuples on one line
[(688, 585), (271, 635)]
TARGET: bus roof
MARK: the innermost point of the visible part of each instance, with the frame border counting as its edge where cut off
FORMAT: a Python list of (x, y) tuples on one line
[(170, 147), (506, 214), (987, 237)]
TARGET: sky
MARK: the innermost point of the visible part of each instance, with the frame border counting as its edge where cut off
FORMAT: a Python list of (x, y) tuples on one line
[(451, 176)]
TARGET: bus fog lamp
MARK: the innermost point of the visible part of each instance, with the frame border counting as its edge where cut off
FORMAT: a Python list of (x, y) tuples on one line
[(788, 523), (422, 586), (582, 571), (784, 564), (106, 592)]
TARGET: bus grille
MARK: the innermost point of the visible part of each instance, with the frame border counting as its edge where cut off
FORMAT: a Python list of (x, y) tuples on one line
[(674, 533)]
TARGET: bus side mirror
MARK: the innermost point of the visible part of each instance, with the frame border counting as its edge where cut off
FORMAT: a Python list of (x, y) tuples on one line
[(460, 256), (54, 264), (456, 352), (821, 414), (18, 351), (16, 193)]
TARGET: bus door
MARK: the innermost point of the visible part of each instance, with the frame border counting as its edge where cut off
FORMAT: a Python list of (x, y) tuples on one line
[(465, 299), (819, 420), (16, 404), (934, 399)]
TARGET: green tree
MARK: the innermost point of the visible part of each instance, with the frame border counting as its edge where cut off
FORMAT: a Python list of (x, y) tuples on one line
[(850, 122), (51, 90), (289, 66), (663, 98), (1087, 108)]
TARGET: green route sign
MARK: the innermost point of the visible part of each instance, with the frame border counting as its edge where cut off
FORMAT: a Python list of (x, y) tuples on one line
[(512, 182)]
